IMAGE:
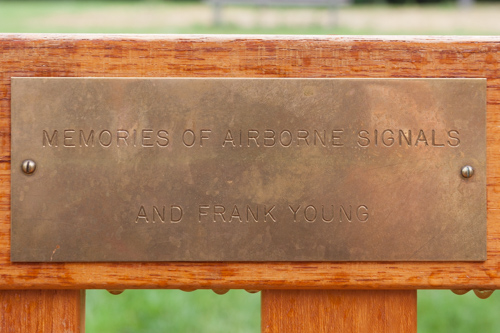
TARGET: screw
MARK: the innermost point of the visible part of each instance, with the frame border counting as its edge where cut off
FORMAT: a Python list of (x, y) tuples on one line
[(467, 171), (28, 166)]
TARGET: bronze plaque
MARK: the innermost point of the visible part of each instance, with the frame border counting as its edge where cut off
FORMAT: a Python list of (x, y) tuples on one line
[(225, 169)]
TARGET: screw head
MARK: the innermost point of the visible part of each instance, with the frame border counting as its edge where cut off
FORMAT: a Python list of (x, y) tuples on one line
[(28, 166), (467, 171)]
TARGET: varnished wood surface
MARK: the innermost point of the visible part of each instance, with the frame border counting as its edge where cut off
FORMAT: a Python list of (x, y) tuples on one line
[(252, 56), (35, 311), (328, 311)]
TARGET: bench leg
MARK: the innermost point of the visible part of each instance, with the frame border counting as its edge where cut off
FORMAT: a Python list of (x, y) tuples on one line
[(42, 311), (322, 311)]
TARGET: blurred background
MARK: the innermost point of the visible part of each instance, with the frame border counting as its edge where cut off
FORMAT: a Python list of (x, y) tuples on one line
[(367, 17), (239, 311)]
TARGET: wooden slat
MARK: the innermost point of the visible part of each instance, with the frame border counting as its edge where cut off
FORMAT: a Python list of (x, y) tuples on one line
[(34, 311), (252, 56), (325, 311)]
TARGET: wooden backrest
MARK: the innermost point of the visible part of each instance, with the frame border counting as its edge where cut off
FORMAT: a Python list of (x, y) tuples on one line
[(252, 56)]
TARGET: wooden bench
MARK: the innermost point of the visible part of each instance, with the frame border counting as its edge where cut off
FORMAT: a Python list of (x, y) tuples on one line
[(296, 296)]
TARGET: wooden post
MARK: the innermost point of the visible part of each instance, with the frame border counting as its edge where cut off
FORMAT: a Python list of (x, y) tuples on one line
[(322, 311), (42, 311)]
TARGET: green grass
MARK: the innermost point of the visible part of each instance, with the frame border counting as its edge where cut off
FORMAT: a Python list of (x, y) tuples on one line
[(239, 312), (172, 311), (443, 311), (278, 30), (34, 16), (42, 17)]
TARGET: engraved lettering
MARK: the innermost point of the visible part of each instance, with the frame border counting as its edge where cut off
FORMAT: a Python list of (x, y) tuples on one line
[(336, 138), (317, 135), (202, 211), (253, 135), (219, 210), (434, 140), (188, 138), (146, 136), (255, 217), (302, 135), (159, 214), (269, 213), (363, 141), (421, 138), (52, 141), (362, 213), (68, 137), (286, 138), (406, 138), (163, 140), (204, 135), (149, 138), (453, 136), (142, 215), (294, 212), (388, 141), (311, 216), (156, 212), (323, 214), (348, 216), (269, 138), (176, 213), (87, 142), (228, 139), (123, 135), (310, 213), (102, 138), (235, 214)]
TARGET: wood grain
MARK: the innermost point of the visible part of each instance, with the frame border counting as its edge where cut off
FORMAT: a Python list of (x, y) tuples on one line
[(324, 311), (252, 56), (34, 311)]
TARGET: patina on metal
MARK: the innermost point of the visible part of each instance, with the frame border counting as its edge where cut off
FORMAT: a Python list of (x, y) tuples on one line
[(218, 169)]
